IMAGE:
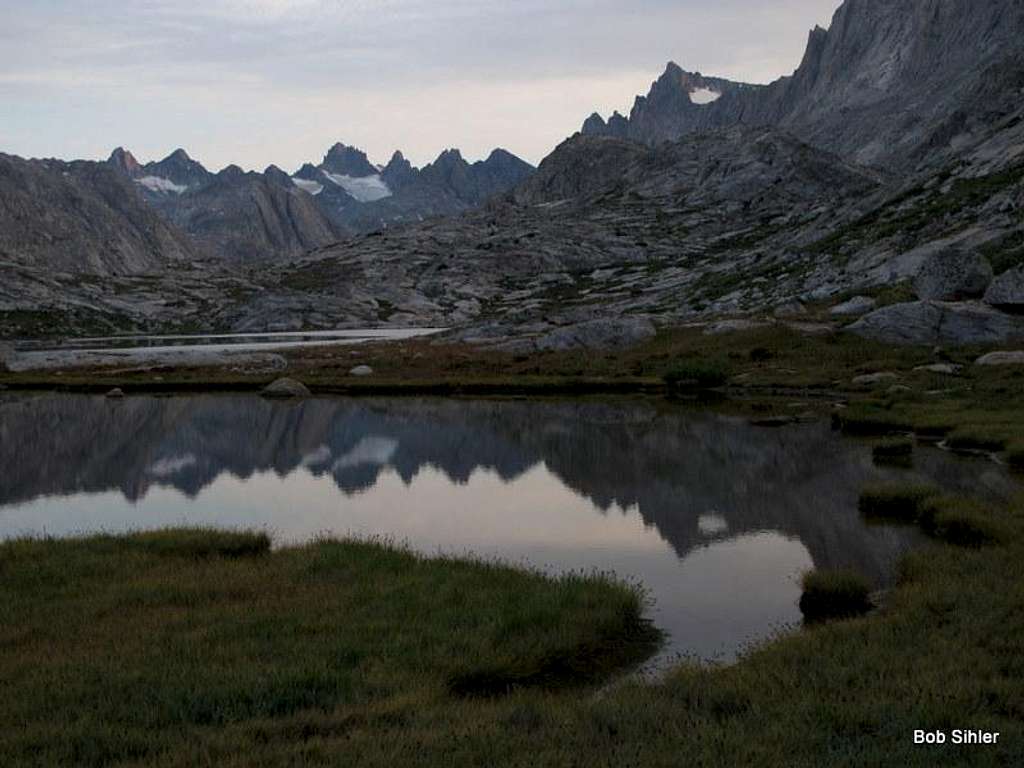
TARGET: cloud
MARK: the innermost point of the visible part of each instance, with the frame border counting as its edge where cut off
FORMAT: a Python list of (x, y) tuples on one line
[(225, 76)]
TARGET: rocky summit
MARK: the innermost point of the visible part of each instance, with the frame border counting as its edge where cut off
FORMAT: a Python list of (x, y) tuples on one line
[(882, 183)]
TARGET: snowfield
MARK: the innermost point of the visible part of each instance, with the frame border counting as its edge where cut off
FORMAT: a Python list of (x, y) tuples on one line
[(366, 190), (313, 187), (157, 184), (704, 96)]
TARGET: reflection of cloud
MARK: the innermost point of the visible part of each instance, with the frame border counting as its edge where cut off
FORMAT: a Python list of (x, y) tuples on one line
[(370, 450), (171, 466)]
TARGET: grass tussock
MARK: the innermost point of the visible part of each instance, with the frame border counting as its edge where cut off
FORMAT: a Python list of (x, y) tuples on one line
[(1015, 457), (836, 594), (962, 522), (699, 374), (893, 450), (975, 439), (128, 650), (900, 503), (870, 421)]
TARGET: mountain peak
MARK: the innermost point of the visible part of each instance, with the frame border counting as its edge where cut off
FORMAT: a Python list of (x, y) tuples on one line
[(180, 155), (348, 161), (124, 161)]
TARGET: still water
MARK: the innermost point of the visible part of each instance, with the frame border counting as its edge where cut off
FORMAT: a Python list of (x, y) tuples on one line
[(715, 518)]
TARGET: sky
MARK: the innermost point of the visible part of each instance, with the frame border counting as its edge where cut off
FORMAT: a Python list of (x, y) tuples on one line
[(256, 82)]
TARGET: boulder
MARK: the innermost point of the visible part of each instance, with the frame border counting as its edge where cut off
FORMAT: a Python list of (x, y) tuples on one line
[(858, 305), (928, 322), (1001, 358), (945, 369), (116, 393), (361, 370), (1007, 291), (286, 388), (598, 334), (953, 274), (874, 379)]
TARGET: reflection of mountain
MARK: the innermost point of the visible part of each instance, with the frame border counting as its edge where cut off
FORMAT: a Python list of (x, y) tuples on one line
[(679, 469)]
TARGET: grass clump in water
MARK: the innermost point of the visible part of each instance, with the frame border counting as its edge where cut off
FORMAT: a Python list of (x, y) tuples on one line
[(834, 594), (1015, 457), (960, 521), (701, 374), (972, 439), (902, 503), (896, 450), (870, 420)]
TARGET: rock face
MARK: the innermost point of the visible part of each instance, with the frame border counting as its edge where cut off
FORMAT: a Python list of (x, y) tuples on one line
[(81, 217), (598, 334), (926, 322), (858, 305), (882, 85), (738, 165), (251, 217), (1007, 291), (953, 275)]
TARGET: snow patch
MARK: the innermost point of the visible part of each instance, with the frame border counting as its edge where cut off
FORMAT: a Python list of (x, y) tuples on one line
[(704, 96), (157, 184), (313, 187), (368, 189)]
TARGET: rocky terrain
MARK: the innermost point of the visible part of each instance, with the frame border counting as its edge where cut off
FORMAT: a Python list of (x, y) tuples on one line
[(880, 186)]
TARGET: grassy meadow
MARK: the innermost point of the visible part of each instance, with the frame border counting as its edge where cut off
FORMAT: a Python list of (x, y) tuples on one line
[(202, 649)]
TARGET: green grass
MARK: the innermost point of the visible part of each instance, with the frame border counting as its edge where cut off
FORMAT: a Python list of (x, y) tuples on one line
[(869, 420), (702, 374), (156, 648), (975, 439), (893, 448), (834, 595), (902, 503), (1015, 457), (960, 521)]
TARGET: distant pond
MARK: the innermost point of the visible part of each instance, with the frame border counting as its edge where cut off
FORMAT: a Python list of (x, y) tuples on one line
[(716, 518)]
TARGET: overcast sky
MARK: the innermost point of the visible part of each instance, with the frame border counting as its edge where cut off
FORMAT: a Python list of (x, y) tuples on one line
[(255, 82)]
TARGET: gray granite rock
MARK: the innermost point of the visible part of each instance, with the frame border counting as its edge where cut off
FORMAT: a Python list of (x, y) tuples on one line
[(286, 388), (361, 371), (1001, 358), (858, 305), (1007, 290), (952, 275), (926, 322), (598, 334), (874, 379)]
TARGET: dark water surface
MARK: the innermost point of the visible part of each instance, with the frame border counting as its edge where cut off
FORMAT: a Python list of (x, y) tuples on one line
[(716, 518)]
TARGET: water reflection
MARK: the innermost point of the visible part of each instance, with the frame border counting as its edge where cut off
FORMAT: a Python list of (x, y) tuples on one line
[(715, 517)]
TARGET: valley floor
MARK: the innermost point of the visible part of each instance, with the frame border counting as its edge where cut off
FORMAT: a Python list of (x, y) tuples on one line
[(204, 649)]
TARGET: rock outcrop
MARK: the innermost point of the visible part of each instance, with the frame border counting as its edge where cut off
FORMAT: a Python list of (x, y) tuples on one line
[(1007, 291), (953, 275), (927, 322), (81, 217), (890, 82), (598, 334)]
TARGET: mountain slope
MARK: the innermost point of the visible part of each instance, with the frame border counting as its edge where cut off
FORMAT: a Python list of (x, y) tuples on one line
[(876, 87), (247, 217), (81, 217)]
